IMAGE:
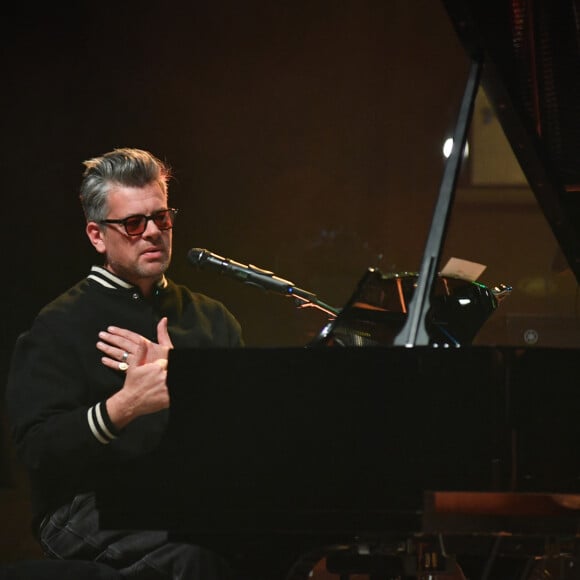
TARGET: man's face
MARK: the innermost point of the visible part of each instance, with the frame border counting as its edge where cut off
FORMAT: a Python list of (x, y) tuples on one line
[(139, 259)]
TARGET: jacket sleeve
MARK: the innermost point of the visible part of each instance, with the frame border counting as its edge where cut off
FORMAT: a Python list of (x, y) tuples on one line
[(51, 420)]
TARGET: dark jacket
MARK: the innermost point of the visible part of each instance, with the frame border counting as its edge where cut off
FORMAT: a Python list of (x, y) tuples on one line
[(57, 383)]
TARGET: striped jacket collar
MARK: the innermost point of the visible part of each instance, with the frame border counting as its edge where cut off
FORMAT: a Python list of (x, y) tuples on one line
[(109, 280)]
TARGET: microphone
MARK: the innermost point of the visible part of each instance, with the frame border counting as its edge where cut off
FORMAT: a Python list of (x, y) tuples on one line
[(254, 276), (248, 274)]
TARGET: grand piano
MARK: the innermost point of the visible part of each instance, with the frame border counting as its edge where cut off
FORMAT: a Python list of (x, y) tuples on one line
[(390, 445)]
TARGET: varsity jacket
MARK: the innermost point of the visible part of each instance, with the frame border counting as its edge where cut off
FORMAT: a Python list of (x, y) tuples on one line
[(57, 384)]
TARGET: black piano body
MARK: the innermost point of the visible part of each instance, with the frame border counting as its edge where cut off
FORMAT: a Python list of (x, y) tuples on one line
[(272, 454)]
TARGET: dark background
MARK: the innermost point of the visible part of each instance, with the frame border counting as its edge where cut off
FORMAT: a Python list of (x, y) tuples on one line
[(304, 138)]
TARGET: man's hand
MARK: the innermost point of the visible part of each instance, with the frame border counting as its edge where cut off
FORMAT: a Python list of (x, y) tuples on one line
[(122, 346), (145, 363), (144, 391)]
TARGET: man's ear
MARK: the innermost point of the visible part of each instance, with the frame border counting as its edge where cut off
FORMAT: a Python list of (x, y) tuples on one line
[(95, 235)]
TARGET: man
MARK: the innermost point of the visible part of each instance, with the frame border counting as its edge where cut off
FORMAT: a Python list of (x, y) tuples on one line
[(87, 386)]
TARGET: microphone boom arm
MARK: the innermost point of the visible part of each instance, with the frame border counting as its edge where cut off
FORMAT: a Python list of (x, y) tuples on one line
[(304, 299), (266, 280)]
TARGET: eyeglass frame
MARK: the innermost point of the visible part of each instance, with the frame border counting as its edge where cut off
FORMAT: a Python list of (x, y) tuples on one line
[(151, 217)]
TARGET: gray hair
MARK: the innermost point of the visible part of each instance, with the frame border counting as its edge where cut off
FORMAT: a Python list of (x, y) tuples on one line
[(121, 167)]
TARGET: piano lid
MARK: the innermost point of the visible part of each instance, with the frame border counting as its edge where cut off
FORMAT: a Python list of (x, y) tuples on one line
[(531, 75)]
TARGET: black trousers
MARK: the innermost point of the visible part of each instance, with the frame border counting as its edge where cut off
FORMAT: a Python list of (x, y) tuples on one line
[(72, 533), (57, 570)]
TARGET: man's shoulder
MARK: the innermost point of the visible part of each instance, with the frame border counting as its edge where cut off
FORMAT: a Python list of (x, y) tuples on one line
[(213, 322), (187, 295), (69, 299)]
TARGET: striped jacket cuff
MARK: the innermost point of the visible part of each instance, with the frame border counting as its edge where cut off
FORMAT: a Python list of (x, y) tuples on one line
[(100, 423)]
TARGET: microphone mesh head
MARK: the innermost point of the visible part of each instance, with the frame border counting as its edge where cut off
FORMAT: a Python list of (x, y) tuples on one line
[(195, 256)]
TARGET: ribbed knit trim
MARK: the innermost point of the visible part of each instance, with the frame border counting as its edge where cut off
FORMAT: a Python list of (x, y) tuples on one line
[(100, 423), (109, 280)]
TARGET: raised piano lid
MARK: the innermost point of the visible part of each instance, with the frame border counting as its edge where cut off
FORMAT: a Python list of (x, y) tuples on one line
[(531, 75)]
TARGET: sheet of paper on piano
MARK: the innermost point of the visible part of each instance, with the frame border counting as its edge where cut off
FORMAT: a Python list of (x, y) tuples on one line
[(458, 268)]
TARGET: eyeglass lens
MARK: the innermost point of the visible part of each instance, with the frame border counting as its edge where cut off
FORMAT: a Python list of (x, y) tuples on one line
[(137, 224)]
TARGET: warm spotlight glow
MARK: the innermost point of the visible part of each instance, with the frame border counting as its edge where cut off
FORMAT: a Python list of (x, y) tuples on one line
[(448, 147)]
